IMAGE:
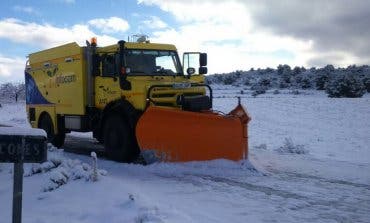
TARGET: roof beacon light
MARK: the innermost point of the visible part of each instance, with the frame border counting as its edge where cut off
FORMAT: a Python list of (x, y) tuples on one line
[(93, 41), (141, 38)]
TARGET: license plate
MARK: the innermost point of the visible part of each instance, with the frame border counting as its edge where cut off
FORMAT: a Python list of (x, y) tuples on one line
[(181, 85)]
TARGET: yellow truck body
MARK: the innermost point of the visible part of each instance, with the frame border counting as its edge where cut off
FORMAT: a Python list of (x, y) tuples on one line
[(58, 77)]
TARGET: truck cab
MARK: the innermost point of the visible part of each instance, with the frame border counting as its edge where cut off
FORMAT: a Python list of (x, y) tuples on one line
[(130, 73)]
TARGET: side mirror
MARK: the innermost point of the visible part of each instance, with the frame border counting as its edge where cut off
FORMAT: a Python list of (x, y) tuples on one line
[(190, 71), (203, 70), (202, 59), (194, 59)]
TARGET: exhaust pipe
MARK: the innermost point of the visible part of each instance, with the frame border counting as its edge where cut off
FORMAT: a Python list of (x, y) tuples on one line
[(90, 63)]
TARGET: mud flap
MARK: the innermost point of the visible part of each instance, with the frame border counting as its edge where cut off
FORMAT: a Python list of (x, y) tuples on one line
[(176, 135)]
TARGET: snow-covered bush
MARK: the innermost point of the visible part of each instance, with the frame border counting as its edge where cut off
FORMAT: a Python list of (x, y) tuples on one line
[(306, 83), (366, 81), (296, 71), (303, 80), (285, 73), (286, 77), (70, 170), (345, 85), (247, 82), (60, 170), (323, 76), (290, 147), (264, 82), (367, 84), (229, 80), (258, 90)]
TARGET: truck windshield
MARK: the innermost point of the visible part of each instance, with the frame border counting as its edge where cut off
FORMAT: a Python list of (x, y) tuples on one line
[(152, 62)]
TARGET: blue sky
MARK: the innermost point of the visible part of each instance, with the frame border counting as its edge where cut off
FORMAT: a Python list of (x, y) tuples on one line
[(236, 34), (66, 13)]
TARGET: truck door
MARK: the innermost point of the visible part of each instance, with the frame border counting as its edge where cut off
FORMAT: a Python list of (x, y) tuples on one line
[(107, 87)]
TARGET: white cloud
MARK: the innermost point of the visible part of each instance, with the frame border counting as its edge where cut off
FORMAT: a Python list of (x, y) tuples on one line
[(11, 69), (155, 23), (46, 35), (229, 53), (226, 32), (26, 9), (110, 25), (43, 36), (206, 10)]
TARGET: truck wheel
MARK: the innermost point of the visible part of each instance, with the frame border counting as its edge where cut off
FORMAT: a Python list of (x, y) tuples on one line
[(47, 125), (119, 140)]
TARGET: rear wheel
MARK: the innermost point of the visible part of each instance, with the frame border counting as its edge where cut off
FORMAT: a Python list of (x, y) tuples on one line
[(47, 125), (119, 141)]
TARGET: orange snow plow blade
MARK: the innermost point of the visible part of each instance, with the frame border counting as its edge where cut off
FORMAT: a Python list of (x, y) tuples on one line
[(176, 135)]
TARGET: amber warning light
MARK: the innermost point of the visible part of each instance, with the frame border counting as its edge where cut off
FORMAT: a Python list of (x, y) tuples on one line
[(93, 41)]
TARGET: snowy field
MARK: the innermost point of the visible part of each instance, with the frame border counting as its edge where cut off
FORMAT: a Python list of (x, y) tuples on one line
[(309, 162)]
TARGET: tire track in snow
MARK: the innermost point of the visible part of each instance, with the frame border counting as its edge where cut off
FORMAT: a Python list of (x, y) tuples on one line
[(322, 179), (343, 207)]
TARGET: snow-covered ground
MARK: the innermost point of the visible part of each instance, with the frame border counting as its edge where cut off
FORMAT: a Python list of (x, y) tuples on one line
[(310, 153)]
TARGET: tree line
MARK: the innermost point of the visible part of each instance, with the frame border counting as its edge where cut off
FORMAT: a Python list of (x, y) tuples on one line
[(12, 92), (352, 81)]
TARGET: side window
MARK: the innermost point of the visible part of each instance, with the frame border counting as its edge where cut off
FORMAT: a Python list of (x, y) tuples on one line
[(109, 67)]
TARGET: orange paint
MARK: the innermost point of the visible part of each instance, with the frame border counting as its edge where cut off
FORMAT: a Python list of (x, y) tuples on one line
[(177, 135)]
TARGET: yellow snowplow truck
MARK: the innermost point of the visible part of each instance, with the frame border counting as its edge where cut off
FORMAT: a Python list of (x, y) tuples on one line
[(136, 97)]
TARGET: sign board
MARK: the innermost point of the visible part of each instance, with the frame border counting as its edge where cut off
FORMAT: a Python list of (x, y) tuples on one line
[(12, 150), (20, 146)]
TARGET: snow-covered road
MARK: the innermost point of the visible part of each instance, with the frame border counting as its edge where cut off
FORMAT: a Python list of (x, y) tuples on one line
[(328, 183)]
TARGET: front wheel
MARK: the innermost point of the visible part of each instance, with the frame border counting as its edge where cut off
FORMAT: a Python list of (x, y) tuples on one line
[(119, 141)]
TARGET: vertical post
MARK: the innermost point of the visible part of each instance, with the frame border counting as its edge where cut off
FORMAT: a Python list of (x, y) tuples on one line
[(17, 192), (18, 186), (90, 63)]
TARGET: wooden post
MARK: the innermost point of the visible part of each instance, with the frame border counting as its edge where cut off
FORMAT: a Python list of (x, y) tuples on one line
[(17, 192), (18, 186)]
